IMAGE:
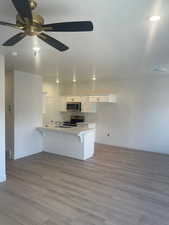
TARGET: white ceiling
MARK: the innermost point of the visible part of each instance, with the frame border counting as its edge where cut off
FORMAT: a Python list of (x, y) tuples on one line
[(124, 42)]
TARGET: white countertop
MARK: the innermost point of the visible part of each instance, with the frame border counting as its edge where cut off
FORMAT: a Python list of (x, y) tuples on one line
[(71, 130)]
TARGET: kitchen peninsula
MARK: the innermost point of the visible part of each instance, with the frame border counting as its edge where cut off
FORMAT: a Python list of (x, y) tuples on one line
[(74, 142)]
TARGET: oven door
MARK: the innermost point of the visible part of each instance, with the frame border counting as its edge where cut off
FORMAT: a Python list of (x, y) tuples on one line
[(73, 107)]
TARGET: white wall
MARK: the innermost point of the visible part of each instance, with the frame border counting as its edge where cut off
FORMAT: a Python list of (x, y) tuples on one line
[(53, 99), (140, 119), (27, 114), (2, 120)]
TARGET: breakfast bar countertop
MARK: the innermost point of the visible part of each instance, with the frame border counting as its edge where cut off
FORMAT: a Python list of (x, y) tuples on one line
[(70, 130), (74, 142)]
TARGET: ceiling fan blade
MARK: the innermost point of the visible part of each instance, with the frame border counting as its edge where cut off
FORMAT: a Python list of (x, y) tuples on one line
[(53, 42), (15, 39), (10, 25), (69, 26), (24, 9)]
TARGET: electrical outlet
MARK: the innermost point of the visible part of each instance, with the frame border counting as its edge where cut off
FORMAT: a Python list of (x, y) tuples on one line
[(107, 132)]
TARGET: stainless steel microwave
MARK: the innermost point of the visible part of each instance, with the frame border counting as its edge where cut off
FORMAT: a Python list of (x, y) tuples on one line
[(74, 106)]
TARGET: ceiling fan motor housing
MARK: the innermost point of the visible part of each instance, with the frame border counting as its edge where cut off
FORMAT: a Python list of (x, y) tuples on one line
[(34, 28)]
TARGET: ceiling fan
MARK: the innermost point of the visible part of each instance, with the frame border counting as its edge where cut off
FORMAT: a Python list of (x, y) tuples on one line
[(32, 24)]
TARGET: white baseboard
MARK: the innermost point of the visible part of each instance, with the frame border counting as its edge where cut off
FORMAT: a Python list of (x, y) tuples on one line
[(23, 155), (2, 178), (133, 149)]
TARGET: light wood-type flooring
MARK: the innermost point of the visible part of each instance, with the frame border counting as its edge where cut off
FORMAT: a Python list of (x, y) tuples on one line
[(116, 187)]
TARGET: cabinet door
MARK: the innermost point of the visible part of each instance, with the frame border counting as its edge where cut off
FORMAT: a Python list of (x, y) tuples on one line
[(83, 101), (73, 99), (103, 99), (108, 99), (94, 99)]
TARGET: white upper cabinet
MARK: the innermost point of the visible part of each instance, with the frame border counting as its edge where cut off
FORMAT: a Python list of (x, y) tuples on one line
[(94, 99), (73, 99), (102, 99), (88, 102), (88, 107)]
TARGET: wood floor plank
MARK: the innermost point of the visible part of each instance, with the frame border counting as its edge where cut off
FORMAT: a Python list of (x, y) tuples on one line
[(116, 187)]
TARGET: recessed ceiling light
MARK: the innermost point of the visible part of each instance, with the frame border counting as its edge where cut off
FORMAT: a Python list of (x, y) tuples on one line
[(57, 81), (14, 53), (74, 78), (57, 78), (94, 77), (154, 18), (36, 49)]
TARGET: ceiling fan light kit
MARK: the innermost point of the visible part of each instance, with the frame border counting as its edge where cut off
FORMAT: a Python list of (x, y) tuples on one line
[(33, 4), (32, 24)]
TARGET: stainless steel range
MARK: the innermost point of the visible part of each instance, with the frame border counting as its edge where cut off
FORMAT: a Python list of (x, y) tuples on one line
[(74, 120)]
